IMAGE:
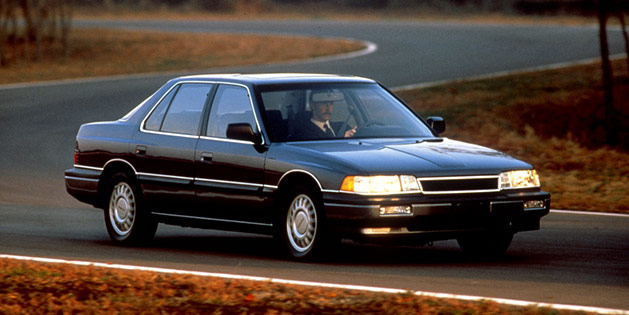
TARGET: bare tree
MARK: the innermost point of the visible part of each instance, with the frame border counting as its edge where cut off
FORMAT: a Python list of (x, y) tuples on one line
[(51, 22), (621, 17), (40, 10), (603, 8), (44, 17), (29, 30), (65, 24), (59, 22), (7, 12), (623, 110)]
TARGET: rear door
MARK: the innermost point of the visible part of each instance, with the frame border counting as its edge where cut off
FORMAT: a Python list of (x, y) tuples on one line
[(230, 173), (164, 149)]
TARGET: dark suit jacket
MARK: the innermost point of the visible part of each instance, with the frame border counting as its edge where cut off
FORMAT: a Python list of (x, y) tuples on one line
[(310, 131)]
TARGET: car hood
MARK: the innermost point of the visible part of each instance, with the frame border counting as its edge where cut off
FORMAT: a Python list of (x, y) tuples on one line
[(428, 157)]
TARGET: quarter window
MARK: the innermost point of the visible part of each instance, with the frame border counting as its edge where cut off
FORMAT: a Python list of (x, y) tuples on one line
[(231, 105), (154, 122)]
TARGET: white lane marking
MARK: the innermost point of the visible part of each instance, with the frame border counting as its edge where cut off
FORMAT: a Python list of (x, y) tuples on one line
[(605, 214), (370, 48), (599, 310), (553, 66)]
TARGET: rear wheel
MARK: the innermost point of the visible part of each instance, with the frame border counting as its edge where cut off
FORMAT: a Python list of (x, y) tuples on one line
[(125, 217)]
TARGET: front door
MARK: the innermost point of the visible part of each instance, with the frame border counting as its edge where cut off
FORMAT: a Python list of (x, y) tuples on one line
[(230, 173)]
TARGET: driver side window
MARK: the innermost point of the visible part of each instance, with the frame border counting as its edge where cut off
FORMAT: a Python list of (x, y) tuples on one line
[(231, 105)]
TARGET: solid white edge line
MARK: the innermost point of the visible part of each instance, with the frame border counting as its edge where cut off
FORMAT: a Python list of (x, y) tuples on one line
[(370, 48), (599, 310), (603, 214)]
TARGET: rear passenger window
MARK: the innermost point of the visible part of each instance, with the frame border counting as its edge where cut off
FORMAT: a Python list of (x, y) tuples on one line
[(183, 110)]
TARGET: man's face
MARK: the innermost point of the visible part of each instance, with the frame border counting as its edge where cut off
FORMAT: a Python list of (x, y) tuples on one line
[(322, 111)]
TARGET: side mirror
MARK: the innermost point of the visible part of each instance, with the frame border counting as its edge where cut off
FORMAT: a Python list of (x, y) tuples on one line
[(243, 132), (437, 124)]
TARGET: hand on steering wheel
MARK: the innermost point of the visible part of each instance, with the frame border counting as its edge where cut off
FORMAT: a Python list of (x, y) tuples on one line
[(350, 133)]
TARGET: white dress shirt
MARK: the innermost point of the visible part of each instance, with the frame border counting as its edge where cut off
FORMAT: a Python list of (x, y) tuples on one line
[(322, 125)]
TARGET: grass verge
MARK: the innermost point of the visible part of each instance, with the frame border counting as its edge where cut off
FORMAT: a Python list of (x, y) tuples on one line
[(548, 119), (33, 287), (101, 52)]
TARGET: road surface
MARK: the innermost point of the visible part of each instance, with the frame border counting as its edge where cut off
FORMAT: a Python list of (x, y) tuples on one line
[(574, 258)]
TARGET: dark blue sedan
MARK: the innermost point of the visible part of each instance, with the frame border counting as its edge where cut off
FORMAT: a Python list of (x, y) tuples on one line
[(309, 159)]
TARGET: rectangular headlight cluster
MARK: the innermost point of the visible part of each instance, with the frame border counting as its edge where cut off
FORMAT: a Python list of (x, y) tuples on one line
[(388, 184), (381, 184), (519, 179)]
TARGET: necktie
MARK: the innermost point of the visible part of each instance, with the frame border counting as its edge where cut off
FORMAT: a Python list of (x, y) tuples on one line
[(328, 131)]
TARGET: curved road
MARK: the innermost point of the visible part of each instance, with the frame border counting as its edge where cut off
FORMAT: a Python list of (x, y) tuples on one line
[(574, 259)]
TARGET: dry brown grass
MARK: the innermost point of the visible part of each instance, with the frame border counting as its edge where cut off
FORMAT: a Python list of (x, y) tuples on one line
[(548, 119), (46, 288), (99, 52)]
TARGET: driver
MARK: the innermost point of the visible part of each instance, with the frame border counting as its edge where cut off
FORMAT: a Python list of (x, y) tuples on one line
[(322, 105)]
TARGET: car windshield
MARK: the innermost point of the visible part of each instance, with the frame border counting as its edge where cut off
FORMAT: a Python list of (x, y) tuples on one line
[(332, 111)]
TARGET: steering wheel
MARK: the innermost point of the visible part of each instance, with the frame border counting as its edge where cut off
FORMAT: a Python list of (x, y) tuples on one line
[(369, 124)]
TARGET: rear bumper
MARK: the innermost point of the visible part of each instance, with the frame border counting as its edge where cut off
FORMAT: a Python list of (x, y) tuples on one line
[(429, 218), (82, 184)]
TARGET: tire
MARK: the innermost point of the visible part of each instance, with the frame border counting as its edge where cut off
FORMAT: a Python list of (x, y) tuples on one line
[(300, 226), (487, 244), (126, 219)]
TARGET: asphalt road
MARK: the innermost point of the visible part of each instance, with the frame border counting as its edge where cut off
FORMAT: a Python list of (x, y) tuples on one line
[(573, 259)]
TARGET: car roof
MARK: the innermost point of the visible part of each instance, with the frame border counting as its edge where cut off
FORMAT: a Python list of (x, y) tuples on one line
[(276, 78)]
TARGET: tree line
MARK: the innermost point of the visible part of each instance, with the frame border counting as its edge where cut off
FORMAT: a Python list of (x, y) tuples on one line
[(26, 26), (581, 7)]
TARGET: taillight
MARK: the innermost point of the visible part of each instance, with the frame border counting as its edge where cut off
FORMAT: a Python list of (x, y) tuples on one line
[(76, 152)]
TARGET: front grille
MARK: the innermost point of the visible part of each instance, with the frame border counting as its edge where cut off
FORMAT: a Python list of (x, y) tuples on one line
[(459, 185)]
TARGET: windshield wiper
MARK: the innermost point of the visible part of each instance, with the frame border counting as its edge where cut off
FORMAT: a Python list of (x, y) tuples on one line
[(429, 140)]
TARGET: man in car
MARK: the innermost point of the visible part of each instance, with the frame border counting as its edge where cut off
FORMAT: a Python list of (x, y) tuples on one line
[(322, 105)]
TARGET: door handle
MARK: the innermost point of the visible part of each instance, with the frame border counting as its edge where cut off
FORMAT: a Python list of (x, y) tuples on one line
[(140, 150), (206, 157)]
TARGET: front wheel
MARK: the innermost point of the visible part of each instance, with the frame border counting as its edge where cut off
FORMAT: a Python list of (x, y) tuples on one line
[(301, 226), (125, 217)]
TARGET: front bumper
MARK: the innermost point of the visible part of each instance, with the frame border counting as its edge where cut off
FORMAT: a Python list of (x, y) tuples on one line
[(429, 218)]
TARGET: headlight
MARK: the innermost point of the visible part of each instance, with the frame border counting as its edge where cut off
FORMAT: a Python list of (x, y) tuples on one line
[(519, 179), (381, 184)]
